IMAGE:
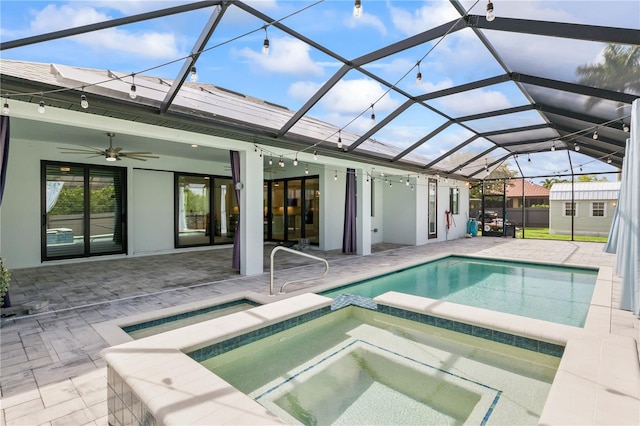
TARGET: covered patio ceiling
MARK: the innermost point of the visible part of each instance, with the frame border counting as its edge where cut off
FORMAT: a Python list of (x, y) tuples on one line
[(536, 83)]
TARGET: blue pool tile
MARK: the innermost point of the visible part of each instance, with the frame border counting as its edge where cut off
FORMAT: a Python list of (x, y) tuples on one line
[(526, 343), (551, 349), (444, 323), (500, 337), (482, 332), (461, 327)]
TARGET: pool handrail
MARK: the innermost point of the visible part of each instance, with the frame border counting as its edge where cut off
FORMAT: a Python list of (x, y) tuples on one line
[(278, 248)]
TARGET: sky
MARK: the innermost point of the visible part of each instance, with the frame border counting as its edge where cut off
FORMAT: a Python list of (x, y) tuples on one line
[(293, 71)]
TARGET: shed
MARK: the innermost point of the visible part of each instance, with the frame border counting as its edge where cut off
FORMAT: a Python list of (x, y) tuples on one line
[(591, 204)]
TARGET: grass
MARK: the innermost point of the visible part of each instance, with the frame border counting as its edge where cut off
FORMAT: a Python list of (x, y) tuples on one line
[(543, 234)]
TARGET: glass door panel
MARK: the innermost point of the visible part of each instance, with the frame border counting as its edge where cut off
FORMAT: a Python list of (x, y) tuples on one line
[(64, 207), (105, 211), (433, 208), (193, 210), (225, 211), (294, 210), (277, 210), (312, 210)]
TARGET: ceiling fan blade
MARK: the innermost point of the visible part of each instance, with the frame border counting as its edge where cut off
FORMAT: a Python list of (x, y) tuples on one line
[(117, 150), (78, 151), (136, 153)]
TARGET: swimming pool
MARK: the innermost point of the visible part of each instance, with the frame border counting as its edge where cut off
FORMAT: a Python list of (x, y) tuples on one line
[(357, 366), (552, 293)]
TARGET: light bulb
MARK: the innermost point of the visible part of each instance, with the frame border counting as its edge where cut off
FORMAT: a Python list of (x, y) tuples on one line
[(407, 182), (553, 147), (419, 78), (373, 119), (625, 127), (295, 161), (41, 107), (335, 176), (132, 92), (270, 161), (577, 147), (490, 15), (357, 8), (595, 134), (339, 141), (281, 162), (5, 108), (315, 155), (306, 170), (194, 74), (83, 101), (609, 160), (265, 47)]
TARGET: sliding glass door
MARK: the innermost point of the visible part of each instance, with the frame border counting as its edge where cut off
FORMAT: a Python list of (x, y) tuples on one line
[(83, 210), (206, 210), (292, 210)]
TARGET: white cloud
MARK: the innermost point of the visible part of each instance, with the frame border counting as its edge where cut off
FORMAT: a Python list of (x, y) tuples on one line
[(286, 55), (302, 90), (474, 101), (423, 18), (150, 44), (428, 86), (354, 96), (366, 20)]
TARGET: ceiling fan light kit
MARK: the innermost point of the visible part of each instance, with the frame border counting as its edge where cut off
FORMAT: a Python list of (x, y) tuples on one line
[(110, 153)]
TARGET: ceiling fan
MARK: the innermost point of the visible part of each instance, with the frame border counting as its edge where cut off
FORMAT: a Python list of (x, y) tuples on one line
[(111, 153)]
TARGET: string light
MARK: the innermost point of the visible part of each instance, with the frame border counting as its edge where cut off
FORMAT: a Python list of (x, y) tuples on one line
[(373, 116), (295, 161), (281, 161), (490, 15), (41, 107), (553, 146), (419, 76), (132, 91), (625, 127), (529, 158), (339, 140), (576, 147), (194, 74), (609, 160), (595, 134), (335, 176), (270, 161), (265, 45), (84, 103), (306, 170), (315, 155), (5, 108), (357, 8)]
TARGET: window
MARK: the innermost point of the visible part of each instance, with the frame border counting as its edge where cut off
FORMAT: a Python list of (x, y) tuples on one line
[(598, 209), (83, 210), (206, 211), (570, 209), (454, 197)]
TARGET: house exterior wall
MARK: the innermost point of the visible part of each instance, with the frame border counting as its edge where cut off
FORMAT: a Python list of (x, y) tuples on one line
[(400, 214), (584, 222)]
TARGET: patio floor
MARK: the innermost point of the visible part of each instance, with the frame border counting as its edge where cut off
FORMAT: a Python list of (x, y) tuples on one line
[(51, 371)]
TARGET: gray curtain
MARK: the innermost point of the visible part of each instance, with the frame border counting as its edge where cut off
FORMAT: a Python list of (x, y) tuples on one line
[(235, 175), (4, 152), (349, 234)]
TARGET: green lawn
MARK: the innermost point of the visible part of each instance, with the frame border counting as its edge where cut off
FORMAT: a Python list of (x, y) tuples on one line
[(543, 234)]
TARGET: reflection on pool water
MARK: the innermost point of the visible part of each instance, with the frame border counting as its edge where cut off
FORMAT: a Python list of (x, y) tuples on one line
[(552, 293), (172, 322), (357, 366)]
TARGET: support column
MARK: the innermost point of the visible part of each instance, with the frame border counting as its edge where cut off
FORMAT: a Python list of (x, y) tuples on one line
[(363, 220), (251, 217)]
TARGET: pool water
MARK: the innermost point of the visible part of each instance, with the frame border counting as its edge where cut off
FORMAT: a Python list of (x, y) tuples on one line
[(172, 322), (551, 293), (356, 366)]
